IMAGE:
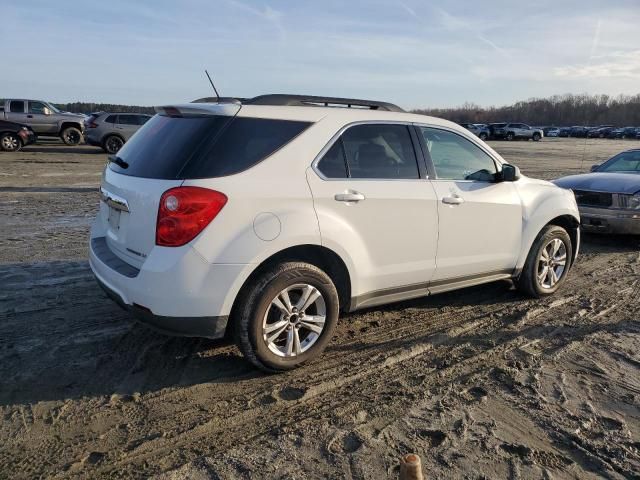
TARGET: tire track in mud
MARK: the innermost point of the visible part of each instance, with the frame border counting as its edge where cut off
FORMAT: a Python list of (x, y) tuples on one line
[(379, 349), (231, 432)]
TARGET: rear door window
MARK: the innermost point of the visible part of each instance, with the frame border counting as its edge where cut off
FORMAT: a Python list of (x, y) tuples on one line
[(128, 119), (203, 146), (111, 119), (16, 106), (380, 151)]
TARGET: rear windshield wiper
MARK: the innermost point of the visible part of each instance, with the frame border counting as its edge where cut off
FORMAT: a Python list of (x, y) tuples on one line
[(118, 161)]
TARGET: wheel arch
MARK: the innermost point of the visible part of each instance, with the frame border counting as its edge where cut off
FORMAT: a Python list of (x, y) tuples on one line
[(67, 124), (572, 225), (320, 256), (111, 134), (566, 220)]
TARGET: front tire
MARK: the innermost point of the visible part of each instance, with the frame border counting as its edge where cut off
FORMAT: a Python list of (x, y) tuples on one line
[(71, 136), (483, 136), (547, 264), (10, 142), (286, 316), (510, 136), (536, 137)]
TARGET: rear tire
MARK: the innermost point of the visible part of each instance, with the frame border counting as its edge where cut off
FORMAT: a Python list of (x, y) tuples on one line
[(10, 142), (550, 246), (483, 136), (510, 136), (277, 335), (71, 136), (112, 144)]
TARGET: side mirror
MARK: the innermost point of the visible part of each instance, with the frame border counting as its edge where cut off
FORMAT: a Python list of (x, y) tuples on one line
[(510, 173), (594, 168)]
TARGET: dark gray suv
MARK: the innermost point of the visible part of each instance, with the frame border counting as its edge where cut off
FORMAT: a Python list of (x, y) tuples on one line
[(111, 130)]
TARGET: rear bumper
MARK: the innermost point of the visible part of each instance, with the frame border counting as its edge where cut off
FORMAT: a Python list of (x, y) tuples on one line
[(91, 140), (175, 291), (605, 220), (208, 327)]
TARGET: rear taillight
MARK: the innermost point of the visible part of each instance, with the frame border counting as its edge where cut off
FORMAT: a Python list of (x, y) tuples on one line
[(92, 125), (184, 212)]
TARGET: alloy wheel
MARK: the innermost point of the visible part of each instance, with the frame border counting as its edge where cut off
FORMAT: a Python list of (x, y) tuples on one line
[(114, 144), (72, 138), (10, 143), (552, 263), (294, 320)]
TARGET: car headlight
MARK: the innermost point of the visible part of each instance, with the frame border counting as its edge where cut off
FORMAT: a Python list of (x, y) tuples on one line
[(632, 202)]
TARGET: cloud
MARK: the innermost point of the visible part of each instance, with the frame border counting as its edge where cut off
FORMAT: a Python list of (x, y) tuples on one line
[(618, 64)]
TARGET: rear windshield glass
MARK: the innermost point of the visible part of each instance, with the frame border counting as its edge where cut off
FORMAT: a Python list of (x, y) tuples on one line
[(203, 146)]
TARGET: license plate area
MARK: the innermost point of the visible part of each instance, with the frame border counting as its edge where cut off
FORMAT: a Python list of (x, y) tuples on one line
[(114, 219)]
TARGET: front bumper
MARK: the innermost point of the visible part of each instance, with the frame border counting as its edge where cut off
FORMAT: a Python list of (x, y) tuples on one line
[(175, 291), (609, 220)]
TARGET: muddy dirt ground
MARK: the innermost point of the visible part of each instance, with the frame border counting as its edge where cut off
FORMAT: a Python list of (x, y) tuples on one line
[(482, 383)]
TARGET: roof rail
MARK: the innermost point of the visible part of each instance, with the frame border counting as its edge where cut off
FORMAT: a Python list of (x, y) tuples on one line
[(311, 100)]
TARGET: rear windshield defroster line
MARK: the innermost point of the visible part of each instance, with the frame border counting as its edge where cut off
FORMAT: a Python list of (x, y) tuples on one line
[(194, 147)]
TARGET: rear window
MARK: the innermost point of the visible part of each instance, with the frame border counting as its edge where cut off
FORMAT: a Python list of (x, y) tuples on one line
[(203, 146)]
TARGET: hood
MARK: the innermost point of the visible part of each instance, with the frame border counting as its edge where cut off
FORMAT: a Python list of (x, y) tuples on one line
[(628, 183)]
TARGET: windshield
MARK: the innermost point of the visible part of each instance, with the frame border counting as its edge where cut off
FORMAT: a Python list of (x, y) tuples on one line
[(52, 107), (623, 162)]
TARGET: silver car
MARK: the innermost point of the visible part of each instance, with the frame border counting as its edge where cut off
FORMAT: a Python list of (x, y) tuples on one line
[(111, 130), (609, 196)]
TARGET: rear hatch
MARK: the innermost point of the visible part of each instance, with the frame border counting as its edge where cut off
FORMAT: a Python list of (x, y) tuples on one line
[(154, 160)]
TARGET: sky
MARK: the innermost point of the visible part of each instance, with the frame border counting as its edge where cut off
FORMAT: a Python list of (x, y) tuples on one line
[(413, 53)]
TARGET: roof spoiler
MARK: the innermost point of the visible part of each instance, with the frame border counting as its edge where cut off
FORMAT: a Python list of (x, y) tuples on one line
[(199, 109)]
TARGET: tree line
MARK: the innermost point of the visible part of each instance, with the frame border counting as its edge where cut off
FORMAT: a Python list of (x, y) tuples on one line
[(87, 107), (558, 110)]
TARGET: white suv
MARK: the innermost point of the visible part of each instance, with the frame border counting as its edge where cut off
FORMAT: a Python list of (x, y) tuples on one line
[(262, 220)]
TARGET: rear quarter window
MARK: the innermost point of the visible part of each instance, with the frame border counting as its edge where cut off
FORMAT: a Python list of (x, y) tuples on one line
[(203, 146), (242, 144)]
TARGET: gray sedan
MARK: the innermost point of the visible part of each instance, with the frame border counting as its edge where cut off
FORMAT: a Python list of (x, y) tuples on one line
[(609, 196)]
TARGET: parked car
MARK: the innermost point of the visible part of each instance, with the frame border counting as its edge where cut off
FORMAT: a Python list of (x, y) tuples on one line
[(497, 130), (578, 132), (630, 132), (609, 196), (615, 133), (521, 131), (564, 132), (14, 136), (601, 132), (479, 129), (264, 219), (111, 130), (553, 132), (44, 119)]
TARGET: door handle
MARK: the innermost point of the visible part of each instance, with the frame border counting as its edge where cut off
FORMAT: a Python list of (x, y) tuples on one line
[(29, 116), (454, 200), (349, 197)]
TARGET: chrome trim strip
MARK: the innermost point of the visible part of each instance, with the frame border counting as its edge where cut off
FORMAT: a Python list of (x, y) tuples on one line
[(113, 200)]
